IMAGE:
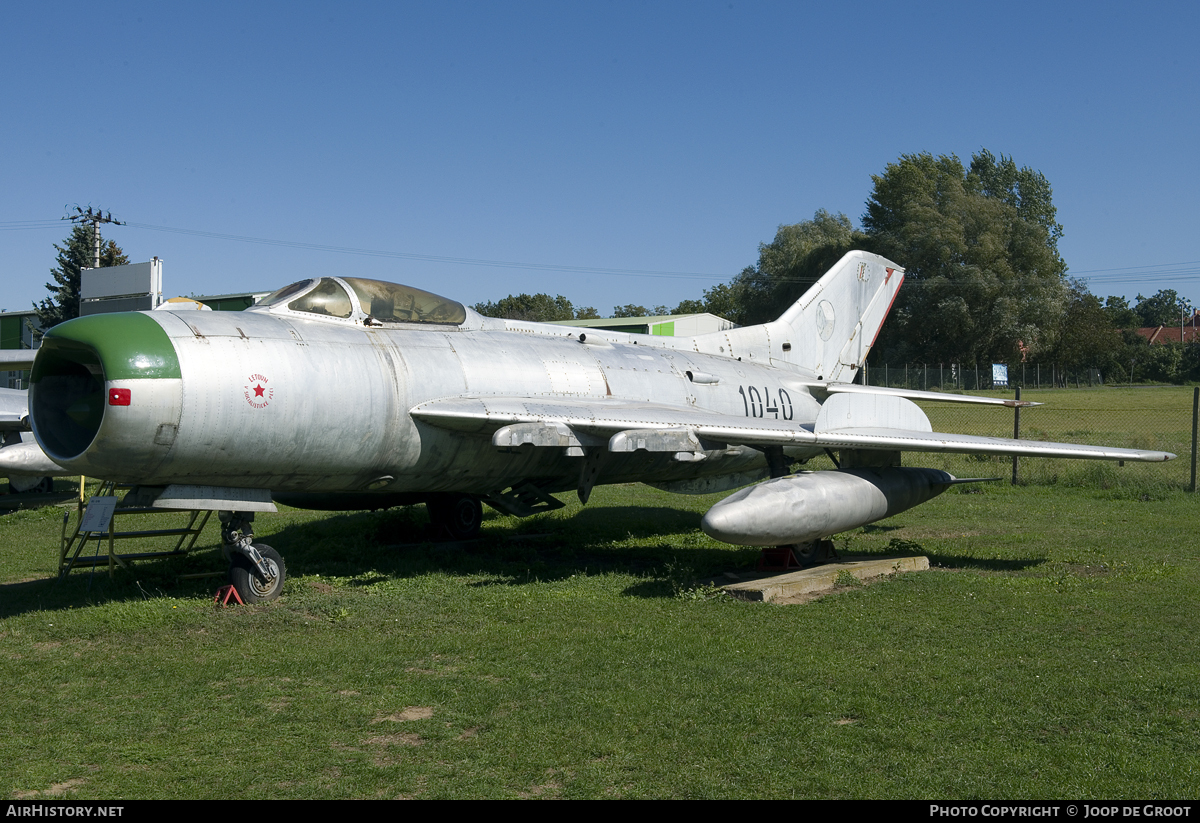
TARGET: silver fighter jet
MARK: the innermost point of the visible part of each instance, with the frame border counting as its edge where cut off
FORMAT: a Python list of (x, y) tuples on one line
[(341, 392)]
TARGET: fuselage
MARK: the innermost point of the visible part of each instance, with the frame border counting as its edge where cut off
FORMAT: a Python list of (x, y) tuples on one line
[(294, 402)]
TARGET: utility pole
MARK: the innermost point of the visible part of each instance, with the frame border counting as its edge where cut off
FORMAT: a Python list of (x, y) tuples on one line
[(95, 218)]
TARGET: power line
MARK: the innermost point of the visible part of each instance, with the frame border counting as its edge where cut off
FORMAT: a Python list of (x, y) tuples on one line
[(1158, 272), (432, 258), (96, 219)]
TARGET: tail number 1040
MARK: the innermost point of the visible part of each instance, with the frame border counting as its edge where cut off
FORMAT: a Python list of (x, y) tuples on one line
[(760, 404)]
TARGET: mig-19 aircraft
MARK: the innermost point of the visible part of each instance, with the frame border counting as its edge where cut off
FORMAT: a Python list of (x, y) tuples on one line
[(346, 393)]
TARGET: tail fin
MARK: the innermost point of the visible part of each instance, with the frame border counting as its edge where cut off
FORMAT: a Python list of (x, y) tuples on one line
[(829, 330)]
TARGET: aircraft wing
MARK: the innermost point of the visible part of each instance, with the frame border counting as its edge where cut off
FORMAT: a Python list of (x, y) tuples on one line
[(17, 359), (931, 441), (629, 426), (596, 417)]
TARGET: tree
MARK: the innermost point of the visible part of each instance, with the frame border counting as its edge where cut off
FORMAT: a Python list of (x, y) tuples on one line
[(1024, 189), (631, 310), (690, 307), (1088, 339), (536, 308), (787, 267), (982, 281), (80, 251), (1120, 313), (721, 301), (1165, 308)]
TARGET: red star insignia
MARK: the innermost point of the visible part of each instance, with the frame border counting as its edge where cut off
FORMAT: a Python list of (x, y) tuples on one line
[(258, 391)]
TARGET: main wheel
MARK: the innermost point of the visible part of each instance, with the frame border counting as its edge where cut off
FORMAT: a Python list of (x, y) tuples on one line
[(459, 516), (814, 553), (248, 580), (26, 485)]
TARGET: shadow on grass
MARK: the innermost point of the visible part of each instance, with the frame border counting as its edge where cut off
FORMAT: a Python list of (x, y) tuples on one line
[(991, 564), (947, 560), (654, 543), (648, 542), (658, 544)]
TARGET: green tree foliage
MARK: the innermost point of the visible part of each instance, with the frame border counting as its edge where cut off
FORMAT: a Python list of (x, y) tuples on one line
[(1120, 314), (631, 310), (1024, 189), (79, 252), (982, 281), (537, 308), (1087, 338), (1160, 363), (690, 307), (787, 267), (1165, 308), (720, 300)]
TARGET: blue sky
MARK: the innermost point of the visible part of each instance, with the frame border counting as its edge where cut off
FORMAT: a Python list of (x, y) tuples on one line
[(622, 152)]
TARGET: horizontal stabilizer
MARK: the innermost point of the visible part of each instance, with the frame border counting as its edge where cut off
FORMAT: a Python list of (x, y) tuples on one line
[(914, 394), (14, 410)]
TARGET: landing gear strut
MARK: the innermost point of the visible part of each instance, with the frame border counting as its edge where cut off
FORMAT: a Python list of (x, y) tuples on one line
[(256, 571)]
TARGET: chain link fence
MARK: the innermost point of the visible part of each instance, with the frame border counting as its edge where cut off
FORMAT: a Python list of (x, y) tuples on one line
[(957, 377)]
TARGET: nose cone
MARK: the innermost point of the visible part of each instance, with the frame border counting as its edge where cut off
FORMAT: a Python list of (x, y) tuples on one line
[(101, 382)]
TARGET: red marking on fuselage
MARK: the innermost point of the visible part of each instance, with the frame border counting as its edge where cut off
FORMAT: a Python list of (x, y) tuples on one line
[(257, 393)]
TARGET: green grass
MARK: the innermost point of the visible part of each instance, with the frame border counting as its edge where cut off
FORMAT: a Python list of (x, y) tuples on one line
[(1050, 652)]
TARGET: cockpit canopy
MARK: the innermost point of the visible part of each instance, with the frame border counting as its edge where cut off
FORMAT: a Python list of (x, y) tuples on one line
[(371, 302)]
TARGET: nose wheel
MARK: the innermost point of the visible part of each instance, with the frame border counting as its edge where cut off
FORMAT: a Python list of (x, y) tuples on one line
[(252, 585), (256, 570)]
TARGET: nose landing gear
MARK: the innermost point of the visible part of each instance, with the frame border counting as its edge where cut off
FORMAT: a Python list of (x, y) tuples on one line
[(256, 571)]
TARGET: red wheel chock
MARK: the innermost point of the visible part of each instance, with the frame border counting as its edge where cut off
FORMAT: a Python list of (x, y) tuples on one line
[(777, 559), (224, 593)]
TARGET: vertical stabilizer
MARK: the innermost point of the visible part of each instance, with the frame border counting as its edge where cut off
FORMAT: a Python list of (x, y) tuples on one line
[(829, 330)]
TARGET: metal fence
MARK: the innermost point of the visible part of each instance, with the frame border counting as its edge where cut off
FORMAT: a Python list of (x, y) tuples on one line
[(957, 377)]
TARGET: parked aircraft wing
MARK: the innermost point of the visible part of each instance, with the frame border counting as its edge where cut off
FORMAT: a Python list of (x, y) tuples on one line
[(628, 425), (597, 417), (905, 440), (17, 359)]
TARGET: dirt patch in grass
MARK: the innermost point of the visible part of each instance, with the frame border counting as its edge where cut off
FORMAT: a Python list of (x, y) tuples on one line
[(55, 790), (410, 713)]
